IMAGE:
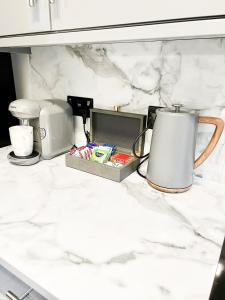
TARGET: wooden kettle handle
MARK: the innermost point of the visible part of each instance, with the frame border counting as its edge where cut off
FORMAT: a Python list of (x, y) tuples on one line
[(219, 123)]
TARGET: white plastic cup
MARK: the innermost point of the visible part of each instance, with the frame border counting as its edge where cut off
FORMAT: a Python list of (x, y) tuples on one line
[(21, 137)]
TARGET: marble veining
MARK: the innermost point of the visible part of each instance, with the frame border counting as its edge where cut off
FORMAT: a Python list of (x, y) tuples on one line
[(136, 75), (83, 237)]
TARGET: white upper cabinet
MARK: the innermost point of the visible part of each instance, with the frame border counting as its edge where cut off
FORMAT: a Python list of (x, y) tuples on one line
[(72, 14), (24, 16), (62, 20)]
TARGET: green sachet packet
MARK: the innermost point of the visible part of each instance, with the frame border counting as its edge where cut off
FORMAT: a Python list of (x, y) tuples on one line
[(100, 154)]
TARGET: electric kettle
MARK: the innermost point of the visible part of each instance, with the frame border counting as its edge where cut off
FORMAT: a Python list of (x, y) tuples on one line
[(172, 153)]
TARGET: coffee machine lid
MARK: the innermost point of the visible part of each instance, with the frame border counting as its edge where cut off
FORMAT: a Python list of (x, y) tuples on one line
[(25, 109)]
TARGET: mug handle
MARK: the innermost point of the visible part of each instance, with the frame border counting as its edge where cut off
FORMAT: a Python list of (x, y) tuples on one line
[(219, 123)]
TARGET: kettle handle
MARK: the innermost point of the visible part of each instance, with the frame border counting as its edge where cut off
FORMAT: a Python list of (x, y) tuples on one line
[(219, 123)]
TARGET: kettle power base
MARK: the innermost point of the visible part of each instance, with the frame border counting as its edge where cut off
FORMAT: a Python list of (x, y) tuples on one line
[(168, 190), (24, 160)]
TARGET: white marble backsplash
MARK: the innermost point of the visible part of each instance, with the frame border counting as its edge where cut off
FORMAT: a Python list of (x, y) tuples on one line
[(139, 74)]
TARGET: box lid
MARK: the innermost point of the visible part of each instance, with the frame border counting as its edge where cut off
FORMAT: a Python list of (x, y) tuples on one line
[(117, 128)]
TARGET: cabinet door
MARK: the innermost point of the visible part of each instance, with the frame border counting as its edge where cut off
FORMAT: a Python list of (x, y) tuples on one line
[(24, 16), (69, 14)]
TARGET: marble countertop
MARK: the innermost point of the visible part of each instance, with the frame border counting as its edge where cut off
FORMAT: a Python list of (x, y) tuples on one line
[(82, 237)]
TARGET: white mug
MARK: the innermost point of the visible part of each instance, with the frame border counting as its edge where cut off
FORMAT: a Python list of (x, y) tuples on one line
[(21, 137)]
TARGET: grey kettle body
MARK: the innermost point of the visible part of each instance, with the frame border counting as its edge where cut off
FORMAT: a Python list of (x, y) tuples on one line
[(172, 153)]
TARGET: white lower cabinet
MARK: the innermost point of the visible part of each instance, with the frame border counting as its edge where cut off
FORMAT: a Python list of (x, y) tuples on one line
[(15, 288)]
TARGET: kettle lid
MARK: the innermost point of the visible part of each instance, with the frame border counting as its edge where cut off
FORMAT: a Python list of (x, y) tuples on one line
[(177, 108)]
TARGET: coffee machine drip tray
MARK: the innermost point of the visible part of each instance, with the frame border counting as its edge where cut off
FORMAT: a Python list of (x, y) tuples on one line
[(24, 160)]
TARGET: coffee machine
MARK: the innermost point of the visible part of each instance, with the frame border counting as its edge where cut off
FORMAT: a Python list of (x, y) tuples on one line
[(53, 131)]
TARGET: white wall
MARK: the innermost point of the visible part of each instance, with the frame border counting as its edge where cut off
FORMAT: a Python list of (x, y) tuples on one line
[(21, 70)]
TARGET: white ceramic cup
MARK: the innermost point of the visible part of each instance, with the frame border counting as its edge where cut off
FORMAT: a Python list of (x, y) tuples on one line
[(21, 137)]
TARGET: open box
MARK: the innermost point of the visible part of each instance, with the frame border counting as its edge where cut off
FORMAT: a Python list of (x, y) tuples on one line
[(115, 128)]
